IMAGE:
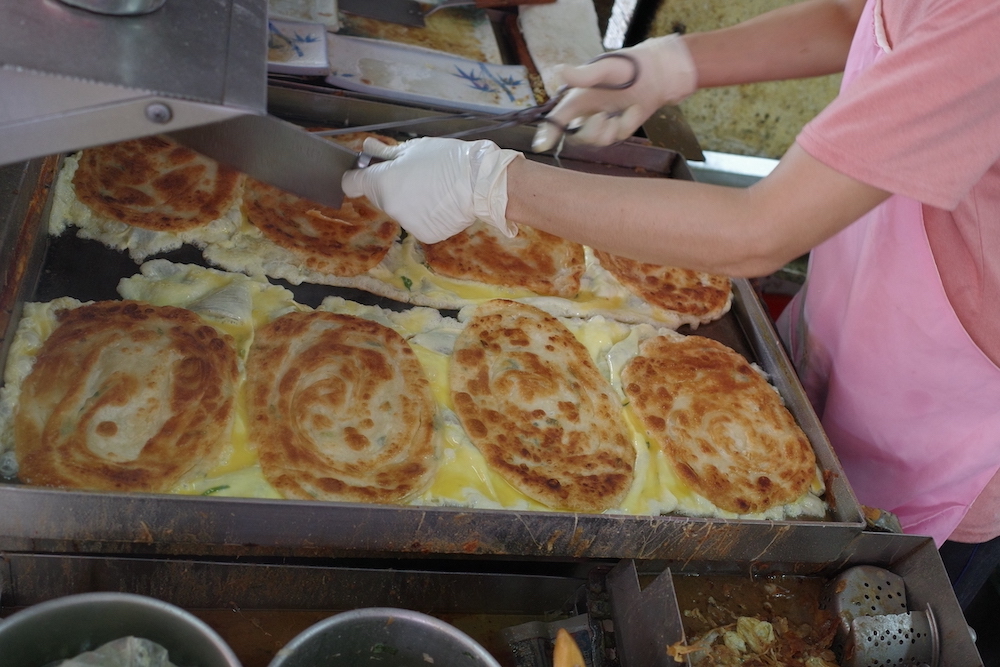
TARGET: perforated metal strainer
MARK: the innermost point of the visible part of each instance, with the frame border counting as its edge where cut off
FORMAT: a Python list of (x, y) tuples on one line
[(876, 628)]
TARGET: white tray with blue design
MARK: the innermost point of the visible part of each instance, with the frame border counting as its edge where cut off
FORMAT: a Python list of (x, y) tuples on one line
[(296, 47), (413, 74)]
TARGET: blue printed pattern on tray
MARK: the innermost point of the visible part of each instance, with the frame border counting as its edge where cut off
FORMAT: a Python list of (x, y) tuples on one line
[(483, 78), (296, 48), (414, 74)]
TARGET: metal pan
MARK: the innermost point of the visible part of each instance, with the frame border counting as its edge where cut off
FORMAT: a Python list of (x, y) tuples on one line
[(38, 519)]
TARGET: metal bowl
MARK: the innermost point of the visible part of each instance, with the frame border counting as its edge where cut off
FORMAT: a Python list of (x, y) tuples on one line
[(65, 627), (383, 635), (117, 7)]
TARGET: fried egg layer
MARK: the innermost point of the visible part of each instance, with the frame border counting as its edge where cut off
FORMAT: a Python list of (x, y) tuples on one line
[(238, 305)]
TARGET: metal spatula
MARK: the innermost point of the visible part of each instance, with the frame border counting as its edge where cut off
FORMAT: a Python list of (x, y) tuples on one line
[(413, 13)]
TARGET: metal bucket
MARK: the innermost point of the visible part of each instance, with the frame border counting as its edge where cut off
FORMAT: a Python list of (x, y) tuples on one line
[(397, 637), (65, 627)]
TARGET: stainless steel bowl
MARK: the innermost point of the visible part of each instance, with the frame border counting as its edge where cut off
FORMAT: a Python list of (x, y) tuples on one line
[(68, 626), (383, 635), (117, 7)]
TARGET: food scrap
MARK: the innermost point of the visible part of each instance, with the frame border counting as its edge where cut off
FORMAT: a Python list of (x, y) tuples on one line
[(752, 642)]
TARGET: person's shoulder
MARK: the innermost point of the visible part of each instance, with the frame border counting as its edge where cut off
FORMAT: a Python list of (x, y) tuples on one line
[(952, 11), (934, 6), (942, 28)]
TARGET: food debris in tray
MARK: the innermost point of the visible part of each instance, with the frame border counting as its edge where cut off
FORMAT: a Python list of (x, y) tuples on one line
[(736, 621)]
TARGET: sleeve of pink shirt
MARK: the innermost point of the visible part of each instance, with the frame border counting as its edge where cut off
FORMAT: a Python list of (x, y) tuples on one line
[(924, 120)]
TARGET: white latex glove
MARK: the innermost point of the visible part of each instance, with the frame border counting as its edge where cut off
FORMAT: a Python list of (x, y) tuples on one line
[(666, 76), (435, 188)]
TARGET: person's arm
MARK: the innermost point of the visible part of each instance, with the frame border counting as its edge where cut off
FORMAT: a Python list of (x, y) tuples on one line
[(800, 40), (740, 232), (432, 186), (436, 188)]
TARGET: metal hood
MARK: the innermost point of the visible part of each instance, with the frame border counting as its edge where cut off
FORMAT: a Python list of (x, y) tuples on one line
[(72, 78)]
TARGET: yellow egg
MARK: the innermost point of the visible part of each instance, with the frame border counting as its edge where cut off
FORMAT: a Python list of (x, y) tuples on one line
[(464, 478)]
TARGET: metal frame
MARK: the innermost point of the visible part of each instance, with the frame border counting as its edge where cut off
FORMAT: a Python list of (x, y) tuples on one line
[(645, 619)]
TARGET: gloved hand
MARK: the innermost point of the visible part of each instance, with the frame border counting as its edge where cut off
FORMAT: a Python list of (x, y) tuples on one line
[(435, 188), (666, 76)]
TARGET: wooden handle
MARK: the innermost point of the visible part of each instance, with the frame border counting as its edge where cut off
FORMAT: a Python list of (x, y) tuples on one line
[(494, 4), (567, 653)]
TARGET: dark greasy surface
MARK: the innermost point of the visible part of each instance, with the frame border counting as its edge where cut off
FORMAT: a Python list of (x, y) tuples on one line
[(89, 271)]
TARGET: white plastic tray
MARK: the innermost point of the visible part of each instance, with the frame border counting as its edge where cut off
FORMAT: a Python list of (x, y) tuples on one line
[(404, 73), (296, 47)]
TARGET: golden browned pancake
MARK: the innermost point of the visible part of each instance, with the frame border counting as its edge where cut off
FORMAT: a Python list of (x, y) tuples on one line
[(125, 396), (340, 409), (703, 296), (155, 184), (356, 140), (343, 242), (453, 31), (534, 403), (534, 260), (724, 427)]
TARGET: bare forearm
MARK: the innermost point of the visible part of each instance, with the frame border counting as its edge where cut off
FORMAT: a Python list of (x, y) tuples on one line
[(732, 231), (653, 220), (804, 39)]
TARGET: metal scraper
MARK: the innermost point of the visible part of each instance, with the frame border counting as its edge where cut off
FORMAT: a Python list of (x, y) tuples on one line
[(413, 13), (667, 128), (276, 152)]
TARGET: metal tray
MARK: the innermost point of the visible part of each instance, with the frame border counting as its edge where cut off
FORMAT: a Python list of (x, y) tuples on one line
[(37, 268), (632, 612)]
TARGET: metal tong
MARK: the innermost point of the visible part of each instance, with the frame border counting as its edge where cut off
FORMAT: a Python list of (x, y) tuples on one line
[(531, 115)]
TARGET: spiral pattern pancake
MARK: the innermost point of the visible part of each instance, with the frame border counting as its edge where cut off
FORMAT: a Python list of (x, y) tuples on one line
[(534, 260), (725, 429), (124, 396), (537, 407), (340, 242), (340, 409), (694, 295), (156, 184)]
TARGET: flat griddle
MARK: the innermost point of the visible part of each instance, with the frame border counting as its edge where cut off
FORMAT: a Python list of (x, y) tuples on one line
[(40, 268)]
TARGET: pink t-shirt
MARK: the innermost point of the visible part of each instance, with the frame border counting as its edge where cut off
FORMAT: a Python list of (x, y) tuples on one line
[(924, 122)]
